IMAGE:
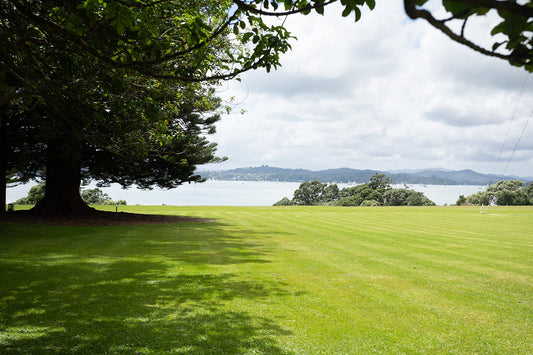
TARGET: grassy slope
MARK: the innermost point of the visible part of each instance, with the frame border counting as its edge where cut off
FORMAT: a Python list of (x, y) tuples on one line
[(274, 280)]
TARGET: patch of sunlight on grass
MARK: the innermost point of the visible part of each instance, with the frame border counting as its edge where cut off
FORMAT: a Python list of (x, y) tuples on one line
[(21, 333)]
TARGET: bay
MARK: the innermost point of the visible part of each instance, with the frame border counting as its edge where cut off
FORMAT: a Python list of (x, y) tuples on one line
[(241, 193)]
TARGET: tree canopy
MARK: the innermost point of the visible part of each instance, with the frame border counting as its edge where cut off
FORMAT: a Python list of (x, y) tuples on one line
[(84, 115), (502, 193), (377, 192), (98, 197)]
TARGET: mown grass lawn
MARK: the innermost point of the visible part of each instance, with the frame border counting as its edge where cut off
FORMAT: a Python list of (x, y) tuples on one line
[(316, 280)]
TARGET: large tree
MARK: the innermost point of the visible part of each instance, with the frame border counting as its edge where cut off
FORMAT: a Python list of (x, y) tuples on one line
[(115, 133), (119, 91)]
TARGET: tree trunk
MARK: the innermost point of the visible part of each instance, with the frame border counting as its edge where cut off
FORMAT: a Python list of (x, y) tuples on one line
[(3, 158), (63, 179), (3, 167)]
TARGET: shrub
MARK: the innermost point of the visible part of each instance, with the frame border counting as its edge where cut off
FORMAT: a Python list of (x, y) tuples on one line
[(35, 194), (350, 201), (284, 202), (370, 203)]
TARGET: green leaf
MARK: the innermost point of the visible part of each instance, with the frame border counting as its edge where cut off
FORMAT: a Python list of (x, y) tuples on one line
[(246, 37), (497, 45), (120, 28), (455, 7), (498, 28), (288, 4), (371, 4), (357, 14), (347, 11), (482, 11)]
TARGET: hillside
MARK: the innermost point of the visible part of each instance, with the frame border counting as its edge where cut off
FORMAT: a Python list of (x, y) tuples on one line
[(348, 175)]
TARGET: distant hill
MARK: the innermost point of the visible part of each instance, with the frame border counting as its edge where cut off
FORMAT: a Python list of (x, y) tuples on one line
[(347, 175)]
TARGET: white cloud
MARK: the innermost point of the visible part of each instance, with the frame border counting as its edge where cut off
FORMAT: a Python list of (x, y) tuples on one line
[(383, 93)]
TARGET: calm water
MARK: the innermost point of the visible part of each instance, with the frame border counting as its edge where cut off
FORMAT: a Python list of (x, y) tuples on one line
[(241, 193)]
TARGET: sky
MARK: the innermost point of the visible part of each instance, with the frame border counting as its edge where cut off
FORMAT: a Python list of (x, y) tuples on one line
[(385, 93)]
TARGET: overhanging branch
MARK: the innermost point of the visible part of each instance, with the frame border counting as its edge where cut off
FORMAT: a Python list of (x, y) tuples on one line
[(134, 64), (414, 13), (249, 8)]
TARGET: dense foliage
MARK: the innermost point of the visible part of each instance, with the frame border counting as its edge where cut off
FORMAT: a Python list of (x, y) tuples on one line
[(90, 196), (98, 197), (84, 94), (502, 193), (377, 192), (35, 194)]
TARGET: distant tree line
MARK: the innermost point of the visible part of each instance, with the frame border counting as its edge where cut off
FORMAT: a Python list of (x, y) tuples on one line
[(502, 193), (90, 196), (377, 192)]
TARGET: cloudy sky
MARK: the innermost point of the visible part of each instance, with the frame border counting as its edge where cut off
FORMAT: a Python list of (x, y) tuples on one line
[(384, 93)]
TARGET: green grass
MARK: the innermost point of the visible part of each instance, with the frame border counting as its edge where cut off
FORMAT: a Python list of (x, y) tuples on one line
[(308, 280)]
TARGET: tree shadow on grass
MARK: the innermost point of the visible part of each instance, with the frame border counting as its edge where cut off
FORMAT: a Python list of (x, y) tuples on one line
[(207, 244), (66, 309), (81, 303)]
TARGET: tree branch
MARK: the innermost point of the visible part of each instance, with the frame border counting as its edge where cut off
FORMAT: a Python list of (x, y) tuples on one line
[(141, 4), (463, 27), (249, 8), (414, 13), (135, 64), (16, 95)]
